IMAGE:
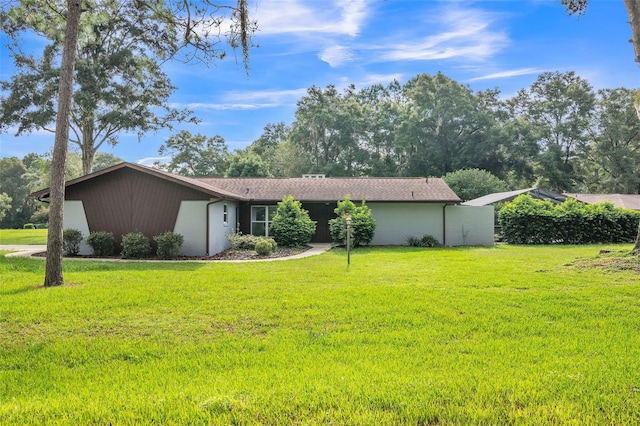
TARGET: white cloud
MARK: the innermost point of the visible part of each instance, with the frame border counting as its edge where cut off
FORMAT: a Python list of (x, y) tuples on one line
[(295, 16), (508, 74), (383, 79), (336, 55), (149, 161), (202, 106), (243, 101), (464, 34)]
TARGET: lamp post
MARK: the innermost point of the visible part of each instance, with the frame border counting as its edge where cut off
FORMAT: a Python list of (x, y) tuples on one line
[(347, 218)]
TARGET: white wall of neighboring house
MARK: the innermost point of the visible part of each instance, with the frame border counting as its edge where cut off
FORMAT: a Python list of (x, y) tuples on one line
[(397, 221), (75, 218), (219, 229), (469, 225)]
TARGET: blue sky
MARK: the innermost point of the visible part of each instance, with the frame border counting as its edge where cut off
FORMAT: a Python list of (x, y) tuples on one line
[(301, 43)]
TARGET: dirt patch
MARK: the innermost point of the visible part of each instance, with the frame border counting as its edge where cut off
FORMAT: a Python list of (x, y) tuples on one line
[(610, 260)]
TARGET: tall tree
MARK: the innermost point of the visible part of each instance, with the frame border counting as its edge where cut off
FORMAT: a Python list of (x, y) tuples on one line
[(189, 27), (381, 115), (53, 271), (445, 127), (612, 160), (195, 155), (119, 83), (560, 107), (633, 10), (327, 127)]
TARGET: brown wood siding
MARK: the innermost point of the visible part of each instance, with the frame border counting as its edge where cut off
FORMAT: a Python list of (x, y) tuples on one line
[(319, 212), (131, 201)]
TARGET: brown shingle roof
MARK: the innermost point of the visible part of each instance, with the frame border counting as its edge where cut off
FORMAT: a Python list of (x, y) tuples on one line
[(303, 189), (334, 189)]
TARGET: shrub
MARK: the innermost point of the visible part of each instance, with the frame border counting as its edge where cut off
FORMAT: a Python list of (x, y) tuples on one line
[(473, 183), (529, 221), (71, 239), (243, 242), (28, 226), (169, 245), (264, 247), (274, 244), (135, 245), (425, 241), (363, 225), (102, 243), (291, 225)]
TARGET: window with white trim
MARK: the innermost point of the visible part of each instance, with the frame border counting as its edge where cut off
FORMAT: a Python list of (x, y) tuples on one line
[(261, 217), (225, 215)]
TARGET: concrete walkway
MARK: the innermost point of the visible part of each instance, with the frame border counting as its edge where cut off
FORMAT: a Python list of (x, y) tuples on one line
[(22, 250), (27, 251)]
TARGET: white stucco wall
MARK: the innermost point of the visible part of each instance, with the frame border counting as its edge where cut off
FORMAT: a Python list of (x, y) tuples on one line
[(218, 229), (191, 223), (75, 217), (469, 226), (397, 221)]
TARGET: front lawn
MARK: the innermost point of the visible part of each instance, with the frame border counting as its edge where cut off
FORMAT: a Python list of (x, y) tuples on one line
[(23, 236), (504, 335)]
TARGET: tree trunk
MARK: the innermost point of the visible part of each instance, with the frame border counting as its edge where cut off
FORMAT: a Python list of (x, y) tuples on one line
[(53, 272), (633, 10)]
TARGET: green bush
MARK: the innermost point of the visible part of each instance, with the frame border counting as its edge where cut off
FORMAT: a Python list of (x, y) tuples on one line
[(102, 243), (363, 225), (243, 241), (28, 226), (425, 241), (135, 245), (264, 247), (291, 225), (169, 245), (274, 244), (71, 239), (529, 221)]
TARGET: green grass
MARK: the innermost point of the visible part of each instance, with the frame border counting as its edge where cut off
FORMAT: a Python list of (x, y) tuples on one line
[(504, 335), (23, 236)]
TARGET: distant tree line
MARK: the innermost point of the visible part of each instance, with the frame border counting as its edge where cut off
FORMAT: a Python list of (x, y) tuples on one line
[(559, 133), (20, 177)]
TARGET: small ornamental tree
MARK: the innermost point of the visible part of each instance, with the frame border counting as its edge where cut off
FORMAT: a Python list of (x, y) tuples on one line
[(363, 225), (291, 225)]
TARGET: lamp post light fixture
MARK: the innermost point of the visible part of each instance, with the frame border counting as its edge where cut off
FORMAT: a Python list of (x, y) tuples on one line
[(347, 218)]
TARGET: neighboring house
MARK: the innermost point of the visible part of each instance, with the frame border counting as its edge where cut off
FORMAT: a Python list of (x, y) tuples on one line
[(133, 198), (625, 201), (503, 197), (498, 197)]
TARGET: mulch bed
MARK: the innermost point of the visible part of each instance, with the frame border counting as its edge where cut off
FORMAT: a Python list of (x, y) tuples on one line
[(225, 255)]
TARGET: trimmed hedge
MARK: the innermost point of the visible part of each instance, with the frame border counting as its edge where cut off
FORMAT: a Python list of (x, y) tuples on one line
[(102, 243), (529, 221), (169, 245), (135, 245)]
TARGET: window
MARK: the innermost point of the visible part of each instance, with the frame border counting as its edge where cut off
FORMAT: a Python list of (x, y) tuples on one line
[(261, 217), (225, 215)]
